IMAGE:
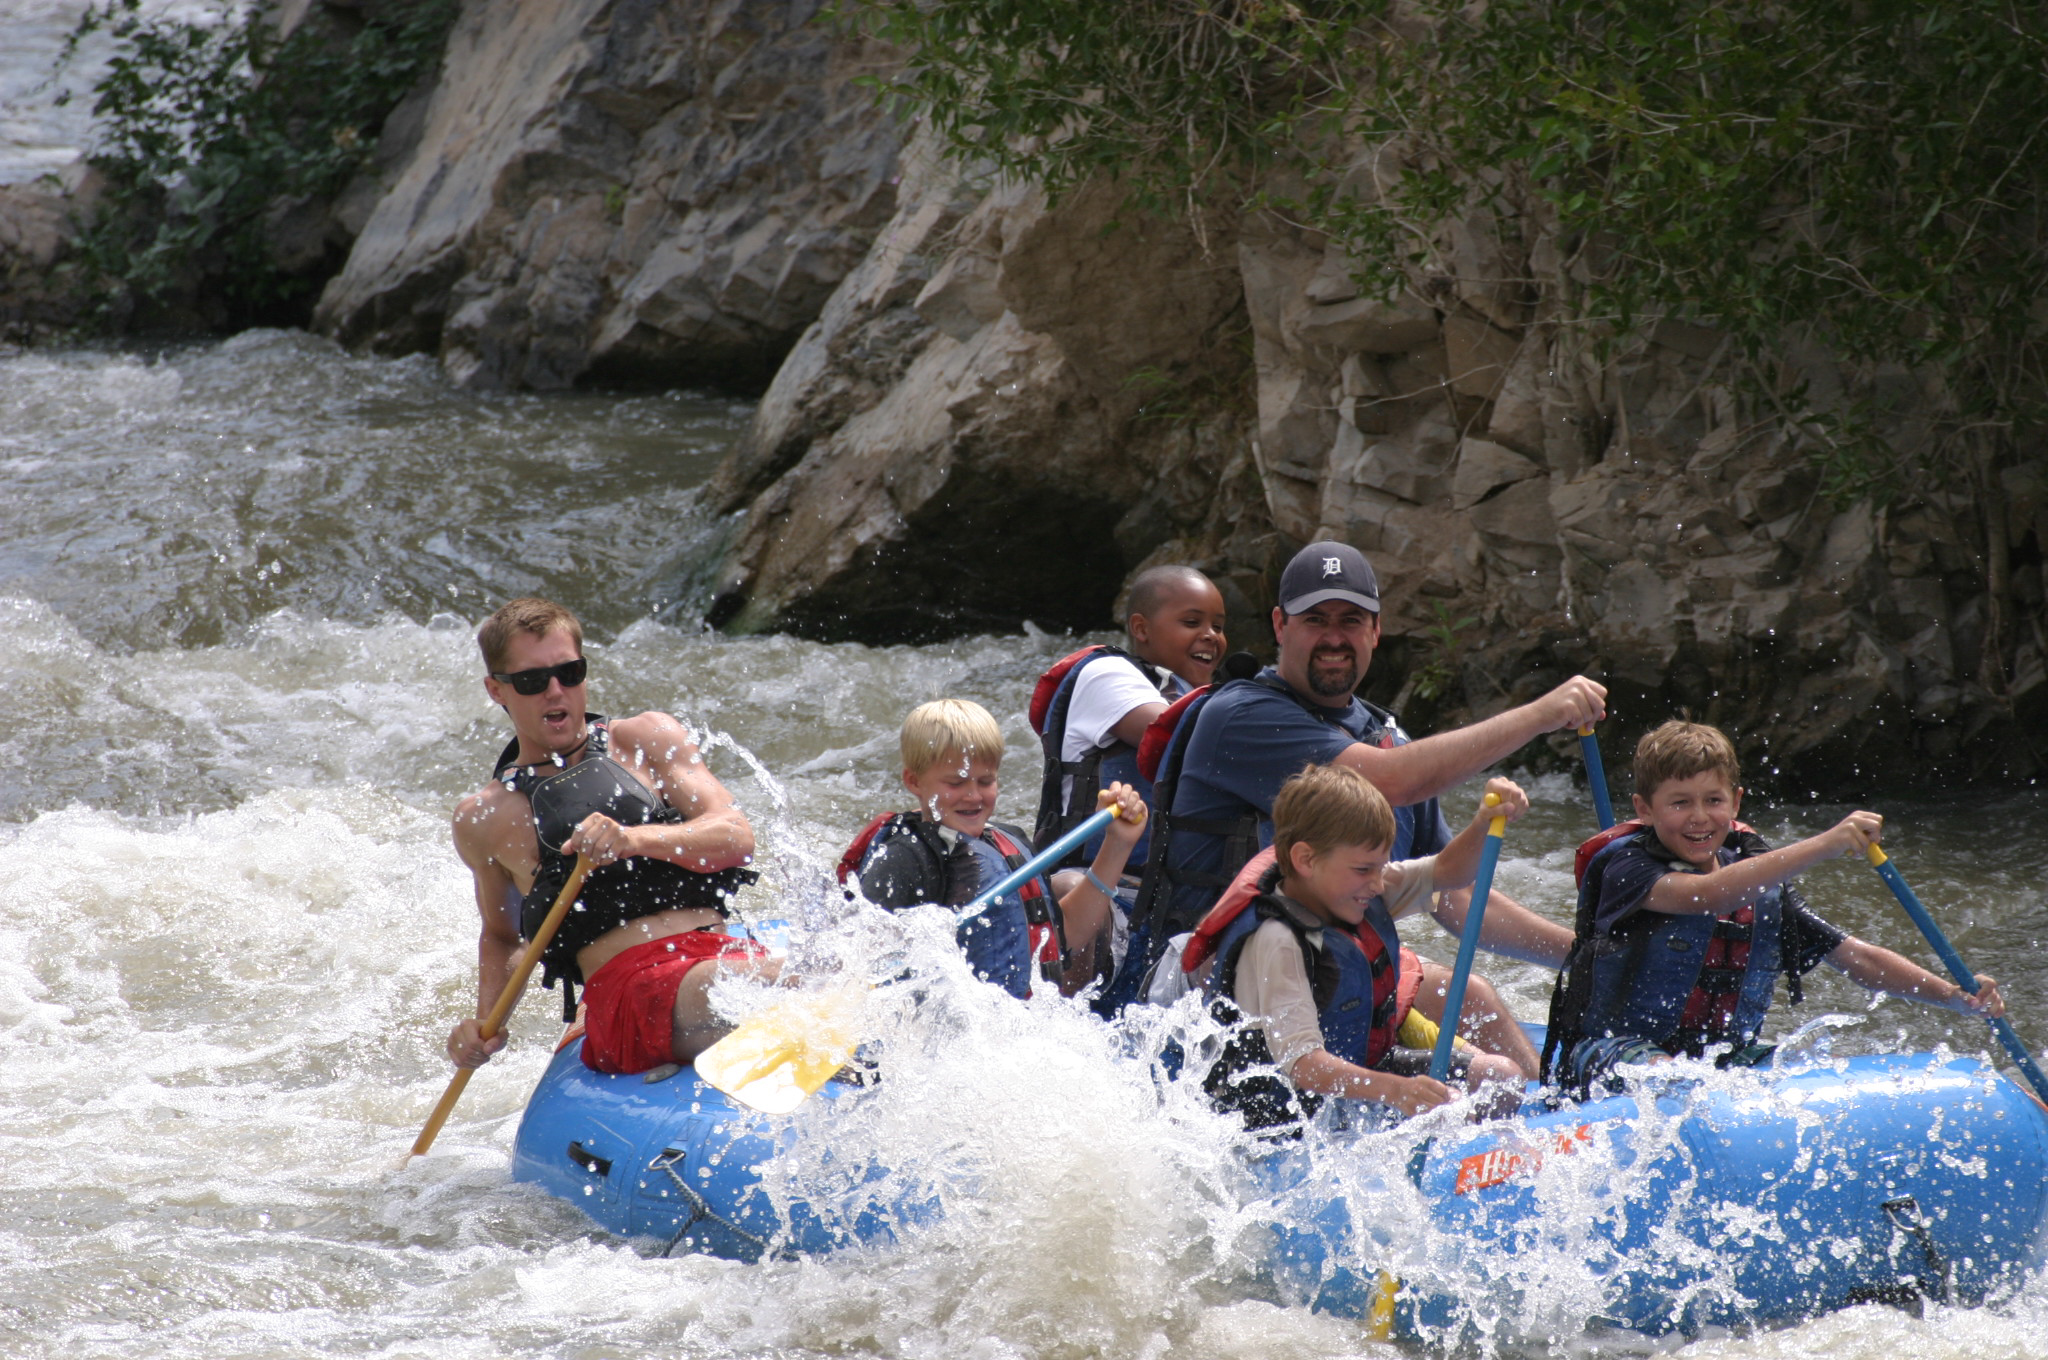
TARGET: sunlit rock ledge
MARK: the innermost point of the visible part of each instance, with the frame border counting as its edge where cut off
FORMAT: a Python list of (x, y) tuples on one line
[(1007, 409), (606, 191)]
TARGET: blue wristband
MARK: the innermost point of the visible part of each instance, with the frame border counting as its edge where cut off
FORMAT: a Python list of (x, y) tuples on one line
[(1100, 886)]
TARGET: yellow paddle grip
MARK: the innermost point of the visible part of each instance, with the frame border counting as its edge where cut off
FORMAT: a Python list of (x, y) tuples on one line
[(1379, 1317), (1499, 825)]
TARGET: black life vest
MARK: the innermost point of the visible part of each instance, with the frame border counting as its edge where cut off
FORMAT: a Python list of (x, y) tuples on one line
[(561, 796), (1680, 982), (1354, 978), (950, 876), (1051, 699)]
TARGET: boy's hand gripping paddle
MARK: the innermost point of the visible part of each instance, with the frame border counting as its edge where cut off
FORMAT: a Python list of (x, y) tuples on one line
[(776, 1058), (1957, 969), (1468, 942), (1596, 777)]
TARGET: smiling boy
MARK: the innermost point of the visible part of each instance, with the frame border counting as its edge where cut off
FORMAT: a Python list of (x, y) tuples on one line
[(950, 849), (1100, 700), (1686, 918), (1313, 969)]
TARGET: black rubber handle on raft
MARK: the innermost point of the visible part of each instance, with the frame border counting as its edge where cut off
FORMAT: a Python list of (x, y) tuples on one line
[(589, 1160)]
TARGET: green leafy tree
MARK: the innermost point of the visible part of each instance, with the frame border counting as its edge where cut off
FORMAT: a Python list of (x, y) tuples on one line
[(1864, 174), (206, 125)]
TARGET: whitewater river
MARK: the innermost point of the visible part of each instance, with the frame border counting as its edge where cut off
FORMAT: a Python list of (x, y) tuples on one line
[(237, 589)]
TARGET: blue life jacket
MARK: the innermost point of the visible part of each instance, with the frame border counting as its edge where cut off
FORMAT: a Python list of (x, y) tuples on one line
[(1355, 979), (1160, 757), (1094, 770), (1680, 982), (561, 796), (1163, 754)]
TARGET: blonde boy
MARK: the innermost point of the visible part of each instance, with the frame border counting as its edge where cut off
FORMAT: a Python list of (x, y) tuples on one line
[(1687, 917), (1314, 965), (950, 848)]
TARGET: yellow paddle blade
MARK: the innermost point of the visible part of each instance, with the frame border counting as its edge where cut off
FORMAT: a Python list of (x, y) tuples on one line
[(1419, 1031), (775, 1058)]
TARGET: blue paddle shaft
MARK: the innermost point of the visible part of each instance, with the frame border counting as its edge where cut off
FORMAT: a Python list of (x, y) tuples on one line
[(2008, 1037), (1032, 867), (1468, 945), (1596, 777)]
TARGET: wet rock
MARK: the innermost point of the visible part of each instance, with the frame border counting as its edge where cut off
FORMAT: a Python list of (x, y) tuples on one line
[(39, 225), (986, 426), (994, 367), (660, 191)]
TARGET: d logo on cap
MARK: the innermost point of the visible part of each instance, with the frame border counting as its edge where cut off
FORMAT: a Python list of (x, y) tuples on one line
[(1327, 571)]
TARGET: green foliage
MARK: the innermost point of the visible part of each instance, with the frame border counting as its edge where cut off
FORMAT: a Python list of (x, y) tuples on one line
[(204, 128), (1162, 395), (1869, 175), (1439, 669)]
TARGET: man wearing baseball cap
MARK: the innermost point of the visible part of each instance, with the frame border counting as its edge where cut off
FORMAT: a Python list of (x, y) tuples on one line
[(1253, 734)]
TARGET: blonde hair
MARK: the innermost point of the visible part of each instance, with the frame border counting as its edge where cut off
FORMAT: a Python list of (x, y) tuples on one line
[(949, 727), (527, 614), (1680, 750), (1327, 807)]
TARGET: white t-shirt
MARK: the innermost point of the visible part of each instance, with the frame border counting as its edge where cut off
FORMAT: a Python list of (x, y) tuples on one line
[(1104, 693), (1272, 977)]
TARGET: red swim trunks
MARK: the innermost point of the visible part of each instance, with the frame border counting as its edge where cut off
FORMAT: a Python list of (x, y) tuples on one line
[(629, 1004)]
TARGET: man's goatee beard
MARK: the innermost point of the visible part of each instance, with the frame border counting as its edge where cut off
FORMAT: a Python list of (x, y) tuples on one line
[(1330, 684)]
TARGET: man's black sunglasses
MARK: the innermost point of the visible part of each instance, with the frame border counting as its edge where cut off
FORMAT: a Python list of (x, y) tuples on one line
[(535, 681)]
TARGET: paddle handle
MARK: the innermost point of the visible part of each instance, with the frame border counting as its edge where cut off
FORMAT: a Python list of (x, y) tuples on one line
[(508, 996), (2008, 1037), (1596, 777), (1037, 864), (1468, 943)]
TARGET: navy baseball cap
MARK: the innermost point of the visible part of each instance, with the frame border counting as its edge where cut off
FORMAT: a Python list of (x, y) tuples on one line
[(1328, 571)]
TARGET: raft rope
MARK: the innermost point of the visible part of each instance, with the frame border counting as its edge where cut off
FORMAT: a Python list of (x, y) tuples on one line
[(1905, 1214), (700, 1208)]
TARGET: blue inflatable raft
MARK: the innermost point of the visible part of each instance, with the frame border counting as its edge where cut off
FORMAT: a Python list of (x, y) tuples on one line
[(1765, 1197)]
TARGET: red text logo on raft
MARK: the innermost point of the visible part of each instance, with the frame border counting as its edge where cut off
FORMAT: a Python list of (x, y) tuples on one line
[(1500, 1164)]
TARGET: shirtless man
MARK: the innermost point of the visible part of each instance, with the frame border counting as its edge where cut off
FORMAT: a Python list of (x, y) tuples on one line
[(666, 845)]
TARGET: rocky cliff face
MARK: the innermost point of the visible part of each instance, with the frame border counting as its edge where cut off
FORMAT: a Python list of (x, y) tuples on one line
[(993, 422), (1009, 407), (625, 190), (1631, 517), (39, 299)]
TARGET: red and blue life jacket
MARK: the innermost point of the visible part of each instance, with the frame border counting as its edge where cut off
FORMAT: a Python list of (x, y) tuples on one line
[(1354, 977), (1680, 982), (1061, 807)]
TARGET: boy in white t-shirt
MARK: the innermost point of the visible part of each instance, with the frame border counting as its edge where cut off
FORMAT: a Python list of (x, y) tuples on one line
[(1175, 625), (1312, 968)]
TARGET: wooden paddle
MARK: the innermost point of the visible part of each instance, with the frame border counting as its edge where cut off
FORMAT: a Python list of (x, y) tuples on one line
[(1960, 971), (780, 1056), (495, 1021), (1468, 942)]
